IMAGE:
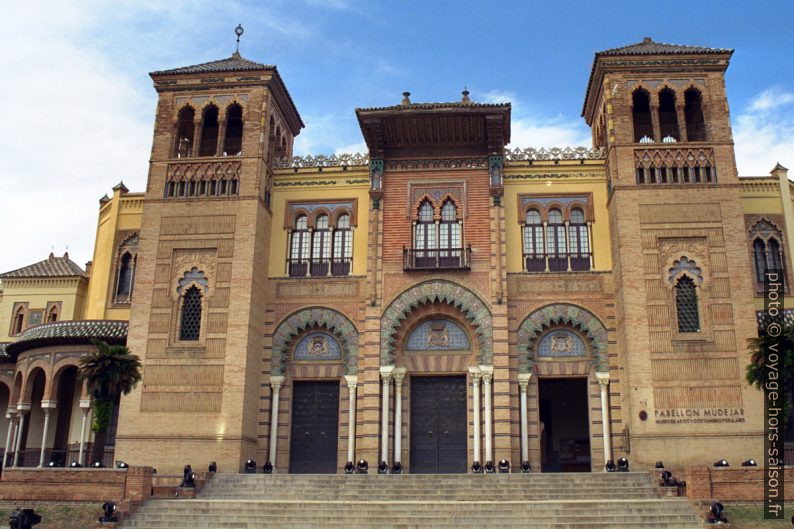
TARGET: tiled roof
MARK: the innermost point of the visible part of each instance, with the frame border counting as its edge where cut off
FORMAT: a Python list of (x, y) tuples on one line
[(436, 106), (50, 267), (649, 47), (235, 63), (69, 332)]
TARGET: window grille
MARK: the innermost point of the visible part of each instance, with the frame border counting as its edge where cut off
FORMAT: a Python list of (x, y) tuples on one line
[(686, 302), (190, 324)]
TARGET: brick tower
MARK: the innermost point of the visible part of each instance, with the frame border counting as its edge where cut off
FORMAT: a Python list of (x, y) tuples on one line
[(204, 242), (681, 268)]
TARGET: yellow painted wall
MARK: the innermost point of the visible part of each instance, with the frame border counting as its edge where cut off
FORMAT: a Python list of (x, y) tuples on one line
[(297, 186), (71, 292), (553, 179), (121, 213)]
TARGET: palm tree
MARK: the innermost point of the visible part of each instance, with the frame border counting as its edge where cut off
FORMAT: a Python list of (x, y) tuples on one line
[(109, 372), (757, 372)]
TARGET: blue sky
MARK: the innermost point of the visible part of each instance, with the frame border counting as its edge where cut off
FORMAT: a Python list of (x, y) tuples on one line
[(81, 74)]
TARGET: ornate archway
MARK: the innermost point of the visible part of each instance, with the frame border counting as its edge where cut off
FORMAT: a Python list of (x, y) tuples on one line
[(472, 307), (562, 314), (331, 320)]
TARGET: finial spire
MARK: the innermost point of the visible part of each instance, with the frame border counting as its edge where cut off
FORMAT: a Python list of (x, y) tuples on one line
[(406, 98), (239, 32), (465, 93)]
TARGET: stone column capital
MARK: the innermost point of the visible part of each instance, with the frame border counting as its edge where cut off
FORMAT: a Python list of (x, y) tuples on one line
[(399, 375), (276, 381), (603, 378), (49, 404), (386, 373), (23, 407), (352, 381), (85, 404), (487, 374), (523, 380)]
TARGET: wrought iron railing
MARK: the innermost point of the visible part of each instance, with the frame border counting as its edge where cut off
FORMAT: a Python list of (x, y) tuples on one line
[(643, 130), (696, 132), (553, 262), (318, 267), (208, 147), (30, 457), (436, 258), (669, 130), (232, 146)]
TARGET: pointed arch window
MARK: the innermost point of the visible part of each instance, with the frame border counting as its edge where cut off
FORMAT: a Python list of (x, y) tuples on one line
[(233, 140), (534, 254), (641, 116), (686, 305), (342, 247), (450, 247), (321, 246), (124, 285), (298, 262), (18, 322), (190, 318), (556, 247), (425, 236), (52, 314), (185, 130), (767, 252), (579, 241), (209, 131), (693, 115), (668, 119)]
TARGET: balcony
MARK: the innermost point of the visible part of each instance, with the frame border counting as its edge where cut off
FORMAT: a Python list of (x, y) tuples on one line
[(696, 131), (318, 267), (574, 262), (437, 259)]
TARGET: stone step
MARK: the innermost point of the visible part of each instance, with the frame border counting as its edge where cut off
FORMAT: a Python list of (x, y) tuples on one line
[(535, 501)]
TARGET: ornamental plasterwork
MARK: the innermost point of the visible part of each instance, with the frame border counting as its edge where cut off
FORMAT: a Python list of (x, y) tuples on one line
[(554, 153), (561, 314), (514, 155), (203, 170), (673, 158), (472, 307), (324, 320), (186, 260), (693, 248)]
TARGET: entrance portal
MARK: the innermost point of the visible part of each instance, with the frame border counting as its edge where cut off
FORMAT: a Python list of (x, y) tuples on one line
[(315, 427), (565, 432), (438, 425)]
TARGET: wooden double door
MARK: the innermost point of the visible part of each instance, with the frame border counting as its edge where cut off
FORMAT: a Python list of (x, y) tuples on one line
[(438, 425), (315, 427)]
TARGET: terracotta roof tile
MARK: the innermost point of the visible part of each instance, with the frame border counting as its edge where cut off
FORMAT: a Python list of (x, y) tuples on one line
[(50, 267), (235, 63), (69, 332), (435, 106), (649, 47)]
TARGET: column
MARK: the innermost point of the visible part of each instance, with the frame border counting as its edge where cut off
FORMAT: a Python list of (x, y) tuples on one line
[(399, 375), (590, 243), (546, 243), (487, 376), (195, 146), (657, 131), (568, 243), (475, 394), (352, 382), (682, 132), (22, 409), (385, 374), (523, 383), (221, 138), (275, 385), (11, 416), (47, 406), (85, 406), (603, 381)]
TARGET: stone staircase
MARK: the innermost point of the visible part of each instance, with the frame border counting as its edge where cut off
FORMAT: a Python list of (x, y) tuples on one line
[(413, 501)]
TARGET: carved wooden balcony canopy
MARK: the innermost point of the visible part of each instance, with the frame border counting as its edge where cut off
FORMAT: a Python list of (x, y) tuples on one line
[(435, 129)]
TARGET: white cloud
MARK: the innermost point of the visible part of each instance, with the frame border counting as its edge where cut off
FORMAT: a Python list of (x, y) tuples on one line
[(764, 133), (531, 129), (771, 98), (70, 133)]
